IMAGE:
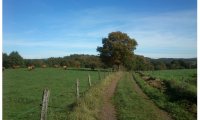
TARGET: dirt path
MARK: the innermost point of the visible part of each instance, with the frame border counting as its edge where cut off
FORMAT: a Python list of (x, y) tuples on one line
[(163, 114), (108, 111)]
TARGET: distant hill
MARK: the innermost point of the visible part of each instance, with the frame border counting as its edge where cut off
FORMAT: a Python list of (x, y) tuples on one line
[(169, 60), (175, 63)]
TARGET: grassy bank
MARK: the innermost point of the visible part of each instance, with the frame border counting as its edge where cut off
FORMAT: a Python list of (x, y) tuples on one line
[(180, 109), (181, 84), (89, 106)]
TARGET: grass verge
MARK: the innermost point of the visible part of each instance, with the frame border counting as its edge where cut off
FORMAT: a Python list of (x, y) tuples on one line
[(89, 106)]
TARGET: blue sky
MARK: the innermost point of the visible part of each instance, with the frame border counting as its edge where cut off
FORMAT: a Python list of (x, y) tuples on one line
[(56, 28)]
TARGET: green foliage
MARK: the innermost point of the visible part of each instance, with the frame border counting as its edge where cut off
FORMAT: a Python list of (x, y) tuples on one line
[(76, 61), (117, 49), (141, 63), (22, 91), (160, 66), (121, 56), (15, 59), (173, 63), (5, 60), (178, 64), (35, 62), (12, 60), (181, 91)]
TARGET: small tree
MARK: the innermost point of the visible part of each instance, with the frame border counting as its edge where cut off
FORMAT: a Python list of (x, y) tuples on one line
[(5, 60), (117, 49), (15, 59)]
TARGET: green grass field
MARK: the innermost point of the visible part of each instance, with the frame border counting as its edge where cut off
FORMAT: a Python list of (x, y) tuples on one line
[(182, 75), (23, 89), (180, 95)]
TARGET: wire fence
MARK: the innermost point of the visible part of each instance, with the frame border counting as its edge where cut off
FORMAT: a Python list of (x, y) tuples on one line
[(72, 93)]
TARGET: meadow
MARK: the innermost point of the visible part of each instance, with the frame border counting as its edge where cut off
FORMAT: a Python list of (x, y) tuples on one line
[(177, 94), (23, 89)]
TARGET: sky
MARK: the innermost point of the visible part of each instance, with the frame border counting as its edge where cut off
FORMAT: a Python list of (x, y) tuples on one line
[(57, 28)]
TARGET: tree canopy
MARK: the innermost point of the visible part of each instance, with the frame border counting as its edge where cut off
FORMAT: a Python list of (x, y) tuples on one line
[(15, 59), (118, 48)]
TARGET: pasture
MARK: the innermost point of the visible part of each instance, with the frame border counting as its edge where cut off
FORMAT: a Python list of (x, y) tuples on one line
[(23, 89)]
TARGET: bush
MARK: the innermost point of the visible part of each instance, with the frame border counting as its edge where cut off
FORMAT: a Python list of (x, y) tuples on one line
[(181, 90)]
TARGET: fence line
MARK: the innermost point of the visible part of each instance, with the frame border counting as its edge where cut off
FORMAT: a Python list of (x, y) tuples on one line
[(46, 95), (30, 110)]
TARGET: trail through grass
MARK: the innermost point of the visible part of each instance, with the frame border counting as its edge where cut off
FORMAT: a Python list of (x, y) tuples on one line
[(132, 104)]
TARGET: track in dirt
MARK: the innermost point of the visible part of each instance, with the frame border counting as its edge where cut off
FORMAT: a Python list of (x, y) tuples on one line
[(108, 111)]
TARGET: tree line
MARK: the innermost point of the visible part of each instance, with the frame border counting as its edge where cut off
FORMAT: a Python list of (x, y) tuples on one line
[(92, 61), (117, 52), (75, 61)]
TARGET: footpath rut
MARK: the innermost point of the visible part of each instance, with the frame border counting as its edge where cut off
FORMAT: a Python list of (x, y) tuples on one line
[(108, 111)]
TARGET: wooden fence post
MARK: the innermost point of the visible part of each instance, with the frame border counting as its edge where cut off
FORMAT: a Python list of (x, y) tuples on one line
[(77, 89), (89, 80), (45, 101)]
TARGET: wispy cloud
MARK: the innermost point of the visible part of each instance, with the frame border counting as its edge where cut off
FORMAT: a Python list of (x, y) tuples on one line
[(61, 44), (84, 29)]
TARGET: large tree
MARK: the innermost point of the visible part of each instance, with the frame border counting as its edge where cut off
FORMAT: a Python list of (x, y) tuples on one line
[(117, 49)]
